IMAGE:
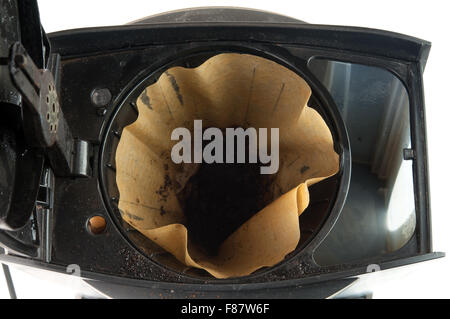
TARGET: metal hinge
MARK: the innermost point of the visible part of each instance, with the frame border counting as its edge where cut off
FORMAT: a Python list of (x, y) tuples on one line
[(43, 119)]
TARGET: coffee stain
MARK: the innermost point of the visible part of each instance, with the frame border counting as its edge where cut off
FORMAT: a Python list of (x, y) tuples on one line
[(146, 100), (175, 86)]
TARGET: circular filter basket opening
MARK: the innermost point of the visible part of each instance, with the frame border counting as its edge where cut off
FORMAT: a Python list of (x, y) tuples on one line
[(226, 218)]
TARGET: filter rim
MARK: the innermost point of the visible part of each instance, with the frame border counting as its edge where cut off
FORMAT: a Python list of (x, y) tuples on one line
[(327, 109)]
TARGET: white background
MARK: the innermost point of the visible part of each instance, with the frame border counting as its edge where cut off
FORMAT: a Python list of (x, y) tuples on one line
[(423, 19)]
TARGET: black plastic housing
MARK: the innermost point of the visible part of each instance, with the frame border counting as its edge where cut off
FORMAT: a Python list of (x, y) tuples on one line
[(120, 58)]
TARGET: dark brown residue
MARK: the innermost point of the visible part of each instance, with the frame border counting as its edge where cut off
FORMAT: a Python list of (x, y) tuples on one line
[(163, 191), (131, 216), (175, 86), (304, 169), (221, 197), (146, 100)]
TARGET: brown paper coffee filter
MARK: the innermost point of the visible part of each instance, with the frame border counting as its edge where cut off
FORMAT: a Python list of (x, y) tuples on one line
[(228, 90)]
